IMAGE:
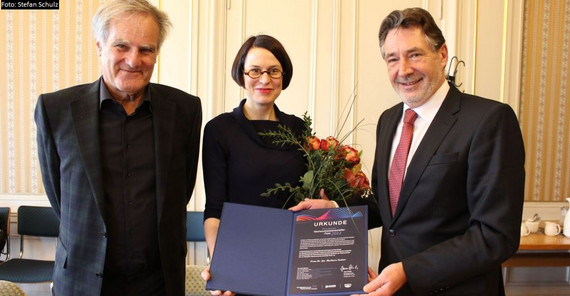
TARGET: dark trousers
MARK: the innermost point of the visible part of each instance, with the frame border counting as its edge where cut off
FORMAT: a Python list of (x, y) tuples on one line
[(147, 283)]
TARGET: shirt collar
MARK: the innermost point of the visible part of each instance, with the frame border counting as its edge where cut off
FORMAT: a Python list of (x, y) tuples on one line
[(428, 110), (104, 94)]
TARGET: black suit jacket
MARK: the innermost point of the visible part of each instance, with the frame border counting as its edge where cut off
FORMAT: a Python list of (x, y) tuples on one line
[(70, 160), (460, 207)]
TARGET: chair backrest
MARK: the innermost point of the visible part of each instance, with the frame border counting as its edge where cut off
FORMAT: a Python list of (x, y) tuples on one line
[(37, 221), (195, 226)]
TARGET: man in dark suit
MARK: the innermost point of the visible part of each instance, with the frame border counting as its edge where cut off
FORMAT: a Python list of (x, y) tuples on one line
[(457, 215), (119, 159)]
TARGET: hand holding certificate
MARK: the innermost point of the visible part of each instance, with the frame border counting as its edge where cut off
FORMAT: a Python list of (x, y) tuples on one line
[(267, 251)]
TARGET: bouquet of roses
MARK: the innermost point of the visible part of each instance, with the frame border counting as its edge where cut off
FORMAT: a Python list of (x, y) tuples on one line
[(331, 166)]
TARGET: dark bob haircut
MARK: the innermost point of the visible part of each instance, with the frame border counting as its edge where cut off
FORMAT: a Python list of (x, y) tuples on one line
[(269, 43)]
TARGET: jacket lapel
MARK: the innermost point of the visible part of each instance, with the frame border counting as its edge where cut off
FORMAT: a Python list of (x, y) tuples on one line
[(435, 135), (385, 138), (85, 116), (163, 116)]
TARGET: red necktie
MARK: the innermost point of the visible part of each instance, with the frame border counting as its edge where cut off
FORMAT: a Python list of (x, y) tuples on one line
[(398, 167)]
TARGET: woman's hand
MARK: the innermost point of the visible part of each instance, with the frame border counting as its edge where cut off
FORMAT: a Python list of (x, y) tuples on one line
[(371, 275), (308, 203), (206, 276)]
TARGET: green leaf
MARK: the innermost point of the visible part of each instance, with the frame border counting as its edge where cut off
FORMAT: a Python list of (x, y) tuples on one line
[(307, 180)]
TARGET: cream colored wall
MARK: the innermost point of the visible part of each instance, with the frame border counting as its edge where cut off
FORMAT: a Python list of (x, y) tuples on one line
[(40, 51), (333, 45)]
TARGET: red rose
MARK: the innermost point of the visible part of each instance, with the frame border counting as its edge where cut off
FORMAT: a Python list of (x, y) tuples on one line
[(350, 178), (351, 155), (329, 143), (313, 143), (359, 180), (362, 180)]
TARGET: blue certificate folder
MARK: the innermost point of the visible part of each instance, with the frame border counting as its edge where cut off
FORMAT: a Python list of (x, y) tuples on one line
[(268, 251)]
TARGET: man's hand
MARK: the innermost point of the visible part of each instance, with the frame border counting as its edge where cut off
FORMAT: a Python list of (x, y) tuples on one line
[(390, 280), (308, 203)]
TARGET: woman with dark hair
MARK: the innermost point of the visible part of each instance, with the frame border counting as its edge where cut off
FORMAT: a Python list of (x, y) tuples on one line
[(239, 164)]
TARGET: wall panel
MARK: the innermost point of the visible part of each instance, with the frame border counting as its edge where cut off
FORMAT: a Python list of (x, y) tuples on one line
[(545, 96)]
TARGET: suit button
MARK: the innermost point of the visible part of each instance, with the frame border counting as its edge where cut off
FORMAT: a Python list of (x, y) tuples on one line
[(99, 274), (392, 232), (104, 234)]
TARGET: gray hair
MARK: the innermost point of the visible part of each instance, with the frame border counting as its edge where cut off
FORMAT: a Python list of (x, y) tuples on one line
[(410, 18), (115, 9)]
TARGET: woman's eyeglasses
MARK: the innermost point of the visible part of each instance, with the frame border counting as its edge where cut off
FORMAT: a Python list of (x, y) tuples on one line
[(256, 73)]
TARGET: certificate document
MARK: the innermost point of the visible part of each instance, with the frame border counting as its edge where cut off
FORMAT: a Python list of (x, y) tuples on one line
[(267, 251), (329, 251)]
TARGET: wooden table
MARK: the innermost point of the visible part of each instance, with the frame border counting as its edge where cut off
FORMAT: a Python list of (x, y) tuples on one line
[(538, 249)]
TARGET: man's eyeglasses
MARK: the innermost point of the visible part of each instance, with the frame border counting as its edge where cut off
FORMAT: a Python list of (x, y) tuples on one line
[(256, 73)]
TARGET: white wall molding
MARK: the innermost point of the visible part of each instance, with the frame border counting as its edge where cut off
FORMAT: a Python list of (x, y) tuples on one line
[(15, 200), (513, 42)]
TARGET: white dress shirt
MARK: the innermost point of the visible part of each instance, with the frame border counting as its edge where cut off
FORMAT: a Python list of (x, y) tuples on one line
[(426, 114)]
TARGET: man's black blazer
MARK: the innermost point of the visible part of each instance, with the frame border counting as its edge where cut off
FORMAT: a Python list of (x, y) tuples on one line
[(70, 160), (460, 207)]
